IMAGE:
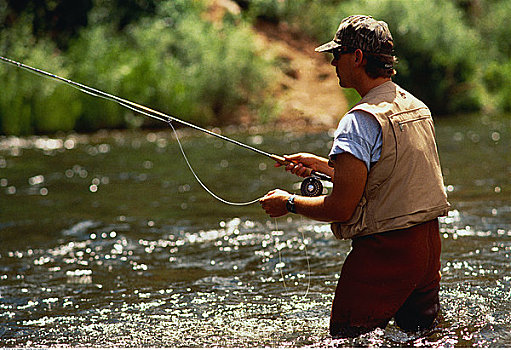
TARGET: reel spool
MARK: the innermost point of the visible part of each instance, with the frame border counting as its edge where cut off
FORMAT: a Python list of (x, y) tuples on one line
[(311, 187)]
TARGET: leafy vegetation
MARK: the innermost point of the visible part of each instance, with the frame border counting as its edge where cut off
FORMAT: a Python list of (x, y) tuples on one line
[(175, 61), (455, 55)]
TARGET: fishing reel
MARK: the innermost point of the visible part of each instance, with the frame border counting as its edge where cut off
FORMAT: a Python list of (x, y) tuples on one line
[(311, 186)]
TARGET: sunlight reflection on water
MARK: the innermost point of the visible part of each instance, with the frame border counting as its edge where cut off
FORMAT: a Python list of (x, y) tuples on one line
[(219, 287), (120, 248)]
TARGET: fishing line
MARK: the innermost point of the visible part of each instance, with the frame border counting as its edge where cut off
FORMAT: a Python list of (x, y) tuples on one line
[(138, 110), (311, 186), (188, 162), (190, 166), (185, 157), (200, 182), (281, 263)]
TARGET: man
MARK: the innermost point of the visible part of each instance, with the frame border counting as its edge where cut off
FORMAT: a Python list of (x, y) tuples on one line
[(387, 190)]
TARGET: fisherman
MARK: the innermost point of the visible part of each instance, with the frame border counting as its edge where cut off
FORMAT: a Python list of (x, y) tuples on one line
[(387, 194)]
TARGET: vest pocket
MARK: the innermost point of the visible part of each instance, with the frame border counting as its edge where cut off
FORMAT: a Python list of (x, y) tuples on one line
[(401, 124)]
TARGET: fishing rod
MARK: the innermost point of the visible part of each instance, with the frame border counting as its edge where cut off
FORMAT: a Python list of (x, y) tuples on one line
[(311, 185)]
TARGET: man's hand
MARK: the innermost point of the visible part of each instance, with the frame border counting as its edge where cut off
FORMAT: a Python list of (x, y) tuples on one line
[(349, 175), (302, 163), (274, 203)]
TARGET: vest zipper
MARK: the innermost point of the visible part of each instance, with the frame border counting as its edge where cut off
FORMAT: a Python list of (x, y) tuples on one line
[(400, 124)]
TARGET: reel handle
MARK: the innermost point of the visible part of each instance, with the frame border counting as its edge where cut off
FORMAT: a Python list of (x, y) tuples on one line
[(282, 161)]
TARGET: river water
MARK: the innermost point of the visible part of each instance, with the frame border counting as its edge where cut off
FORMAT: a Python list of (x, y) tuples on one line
[(107, 240)]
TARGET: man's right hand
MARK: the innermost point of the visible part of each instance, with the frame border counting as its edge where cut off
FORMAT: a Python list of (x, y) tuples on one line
[(302, 164)]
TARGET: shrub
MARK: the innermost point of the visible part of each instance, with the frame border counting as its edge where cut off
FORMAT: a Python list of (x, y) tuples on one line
[(497, 77), (496, 40), (177, 62), (312, 17), (28, 103), (219, 64)]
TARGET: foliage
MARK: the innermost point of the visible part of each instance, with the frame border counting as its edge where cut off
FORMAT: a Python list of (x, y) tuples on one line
[(120, 13), (24, 95), (455, 55), (497, 77), (59, 20), (62, 20), (312, 17), (176, 62), (496, 40)]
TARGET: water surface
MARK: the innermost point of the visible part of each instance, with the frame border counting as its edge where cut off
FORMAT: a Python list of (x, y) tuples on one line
[(108, 240)]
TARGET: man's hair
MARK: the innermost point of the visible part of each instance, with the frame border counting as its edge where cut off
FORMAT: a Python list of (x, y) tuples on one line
[(380, 65)]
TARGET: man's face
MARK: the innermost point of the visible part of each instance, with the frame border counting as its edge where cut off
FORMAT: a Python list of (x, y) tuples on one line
[(342, 68)]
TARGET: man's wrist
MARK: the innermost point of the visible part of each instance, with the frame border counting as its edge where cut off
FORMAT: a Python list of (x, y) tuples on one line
[(290, 204)]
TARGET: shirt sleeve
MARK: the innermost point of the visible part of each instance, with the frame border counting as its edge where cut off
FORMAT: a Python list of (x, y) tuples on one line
[(359, 134)]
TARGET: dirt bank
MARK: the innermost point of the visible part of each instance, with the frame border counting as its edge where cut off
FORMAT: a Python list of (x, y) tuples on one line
[(307, 88)]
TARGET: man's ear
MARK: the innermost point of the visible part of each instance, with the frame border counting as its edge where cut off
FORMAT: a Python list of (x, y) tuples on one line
[(359, 57)]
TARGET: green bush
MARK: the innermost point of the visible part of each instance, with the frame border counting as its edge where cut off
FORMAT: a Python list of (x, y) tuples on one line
[(28, 103), (493, 24), (496, 41), (97, 59), (497, 77), (176, 62), (311, 17)]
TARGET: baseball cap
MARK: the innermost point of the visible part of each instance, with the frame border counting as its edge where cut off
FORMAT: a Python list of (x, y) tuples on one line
[(361, 32)]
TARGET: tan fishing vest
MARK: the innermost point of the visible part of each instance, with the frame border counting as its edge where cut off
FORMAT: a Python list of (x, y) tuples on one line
[(405, 187)]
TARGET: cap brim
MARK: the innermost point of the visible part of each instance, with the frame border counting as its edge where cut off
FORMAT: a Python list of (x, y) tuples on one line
[(329, 46)]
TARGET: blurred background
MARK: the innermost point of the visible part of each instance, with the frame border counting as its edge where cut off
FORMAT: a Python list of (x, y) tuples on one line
[(218, 62)]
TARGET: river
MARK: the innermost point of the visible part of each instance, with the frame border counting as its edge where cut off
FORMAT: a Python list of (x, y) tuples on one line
[(107, 240)]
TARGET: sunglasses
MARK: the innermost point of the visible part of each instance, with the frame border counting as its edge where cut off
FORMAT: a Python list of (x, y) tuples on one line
[(338, 52)]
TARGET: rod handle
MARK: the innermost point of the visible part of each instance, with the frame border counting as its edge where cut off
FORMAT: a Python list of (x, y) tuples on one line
[(282, 161)]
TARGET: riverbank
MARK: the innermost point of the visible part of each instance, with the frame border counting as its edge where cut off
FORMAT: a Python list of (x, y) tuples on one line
[(222, 62), (307, 90)]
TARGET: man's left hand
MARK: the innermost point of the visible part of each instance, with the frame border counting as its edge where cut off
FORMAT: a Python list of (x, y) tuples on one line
[(274, 203)]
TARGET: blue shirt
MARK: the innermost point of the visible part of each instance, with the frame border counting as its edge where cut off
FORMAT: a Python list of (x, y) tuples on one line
[(358, 133)]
